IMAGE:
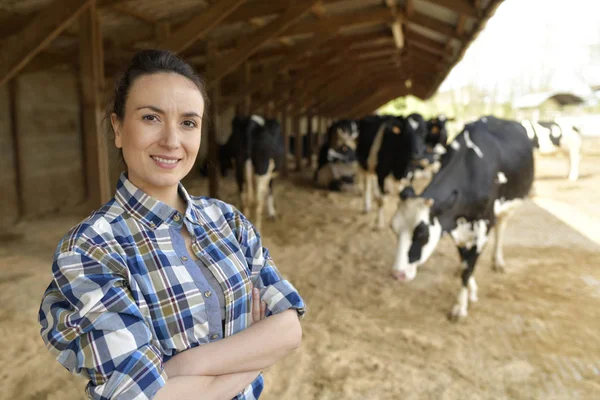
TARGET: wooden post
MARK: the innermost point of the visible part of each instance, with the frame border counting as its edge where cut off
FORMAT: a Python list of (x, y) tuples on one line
[(214, 129), (18, 158), (286, 141), (298, 143), (310, 141), (247, 103), (91, 62)]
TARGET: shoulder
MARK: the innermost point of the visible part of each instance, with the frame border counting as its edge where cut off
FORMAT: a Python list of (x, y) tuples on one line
[(215, 209), (96, 230), (217, 213)]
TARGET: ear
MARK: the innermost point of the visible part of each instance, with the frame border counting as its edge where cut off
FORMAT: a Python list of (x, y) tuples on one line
[(116, 125)]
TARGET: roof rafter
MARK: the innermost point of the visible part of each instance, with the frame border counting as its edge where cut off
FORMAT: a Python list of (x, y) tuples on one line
[(19, 49)]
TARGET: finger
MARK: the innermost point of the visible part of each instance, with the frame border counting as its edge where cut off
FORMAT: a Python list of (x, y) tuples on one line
[(255, 305), (263, 309)]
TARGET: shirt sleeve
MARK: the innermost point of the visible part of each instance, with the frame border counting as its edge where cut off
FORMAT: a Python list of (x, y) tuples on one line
[(279, 294), (92, 325)]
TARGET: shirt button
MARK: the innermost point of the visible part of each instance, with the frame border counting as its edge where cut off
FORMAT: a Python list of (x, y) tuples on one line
[(207, 294), (213, 337), (184, 258), (176, 218)]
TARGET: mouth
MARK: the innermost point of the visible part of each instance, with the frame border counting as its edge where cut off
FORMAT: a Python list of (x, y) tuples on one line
[(166, 162)]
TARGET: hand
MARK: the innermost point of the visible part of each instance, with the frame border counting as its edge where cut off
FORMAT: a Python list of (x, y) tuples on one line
[(259, 307)]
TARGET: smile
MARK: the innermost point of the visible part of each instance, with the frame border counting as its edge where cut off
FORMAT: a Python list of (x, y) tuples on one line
[(165, 162)]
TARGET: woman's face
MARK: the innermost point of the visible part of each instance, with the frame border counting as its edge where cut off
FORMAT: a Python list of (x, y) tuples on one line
[(161, 129)]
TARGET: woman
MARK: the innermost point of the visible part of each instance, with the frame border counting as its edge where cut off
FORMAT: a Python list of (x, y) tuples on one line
[(159, 294)]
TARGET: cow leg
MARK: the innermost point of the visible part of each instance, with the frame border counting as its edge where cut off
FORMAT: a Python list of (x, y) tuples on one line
[(380, 198), (271, 212), (248, 193), (503, 211), (574, 160), (498, 263), (361, 181), (262, 189), (468, 290), (368, 178)]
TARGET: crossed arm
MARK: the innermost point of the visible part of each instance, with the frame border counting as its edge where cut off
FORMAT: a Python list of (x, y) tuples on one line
[(222, 369)]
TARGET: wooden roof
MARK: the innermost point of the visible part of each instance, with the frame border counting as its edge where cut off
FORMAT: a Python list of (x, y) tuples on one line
[(326, 57)]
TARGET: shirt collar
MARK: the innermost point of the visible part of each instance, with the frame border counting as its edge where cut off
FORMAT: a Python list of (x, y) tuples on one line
[(150, 211)]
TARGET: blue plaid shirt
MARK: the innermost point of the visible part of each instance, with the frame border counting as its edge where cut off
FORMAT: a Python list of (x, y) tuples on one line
[(124, 299)]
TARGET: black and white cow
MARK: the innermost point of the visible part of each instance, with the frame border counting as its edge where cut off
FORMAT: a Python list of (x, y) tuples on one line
[(436, 133), (258, 150), (337, 157), (388, 145), (436, 138), (550, 138), (486, 173)]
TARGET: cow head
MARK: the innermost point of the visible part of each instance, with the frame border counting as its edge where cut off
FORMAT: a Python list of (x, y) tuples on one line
[(343, 132), (342, 137), (436, 131), (416, 127), (418, 233)]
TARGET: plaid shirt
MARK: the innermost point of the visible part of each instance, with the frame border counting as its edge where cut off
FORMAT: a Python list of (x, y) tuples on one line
[(123, 301)]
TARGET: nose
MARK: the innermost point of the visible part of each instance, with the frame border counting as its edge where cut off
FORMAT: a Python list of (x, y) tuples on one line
[(399, 275), (170, 138)]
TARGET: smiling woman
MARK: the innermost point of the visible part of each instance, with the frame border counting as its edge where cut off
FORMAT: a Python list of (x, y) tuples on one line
[(159, 294)]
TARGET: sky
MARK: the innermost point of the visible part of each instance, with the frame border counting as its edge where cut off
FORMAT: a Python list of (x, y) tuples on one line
[(532, 40)]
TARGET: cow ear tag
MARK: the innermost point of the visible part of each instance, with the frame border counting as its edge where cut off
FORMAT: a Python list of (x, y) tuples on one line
[(396, 130), (435, 130)]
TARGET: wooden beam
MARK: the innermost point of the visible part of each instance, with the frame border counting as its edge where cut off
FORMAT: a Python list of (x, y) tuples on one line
[(409, 8), (18, 159), (19, 49), (264, 8), (465, 7), (435, 25), (129, 11), (323, 78), (433, 50), (257, 38), (412, 36), (213, 133), (319, 11), (91, 62), (198, 26), (292, 57), (344, 85), (374, 17), (398, 34), (460, 26), (285, 131), (298, 143)]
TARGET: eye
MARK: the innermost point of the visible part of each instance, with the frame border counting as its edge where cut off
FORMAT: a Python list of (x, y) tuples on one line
[(150, 118), (188, 123)]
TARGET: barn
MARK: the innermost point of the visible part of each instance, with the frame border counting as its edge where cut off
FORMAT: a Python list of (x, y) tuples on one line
[(307, 64)]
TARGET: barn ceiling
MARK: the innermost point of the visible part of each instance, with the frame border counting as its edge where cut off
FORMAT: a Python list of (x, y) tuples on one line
[(327, 57)]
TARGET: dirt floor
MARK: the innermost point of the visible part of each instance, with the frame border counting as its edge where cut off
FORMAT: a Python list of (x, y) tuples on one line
[(532, 335)]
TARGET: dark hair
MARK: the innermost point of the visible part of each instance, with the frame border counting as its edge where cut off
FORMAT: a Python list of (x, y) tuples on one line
[(147, 62)]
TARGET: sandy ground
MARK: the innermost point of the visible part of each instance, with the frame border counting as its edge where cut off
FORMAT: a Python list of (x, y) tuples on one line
[(533, 334)]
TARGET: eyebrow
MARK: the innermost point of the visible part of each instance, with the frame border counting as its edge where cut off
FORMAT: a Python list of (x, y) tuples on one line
[(158, 110)]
